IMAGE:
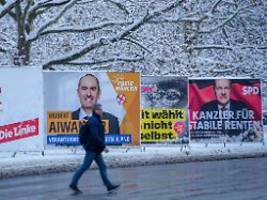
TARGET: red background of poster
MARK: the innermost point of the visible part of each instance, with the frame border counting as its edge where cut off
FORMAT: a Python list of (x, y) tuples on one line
[(201, 92)]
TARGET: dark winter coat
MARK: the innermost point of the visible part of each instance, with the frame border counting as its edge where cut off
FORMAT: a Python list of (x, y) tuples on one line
[(93, 134), (114, 127)]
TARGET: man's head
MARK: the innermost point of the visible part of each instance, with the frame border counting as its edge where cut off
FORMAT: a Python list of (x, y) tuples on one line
[(222, 89), (88, 91)]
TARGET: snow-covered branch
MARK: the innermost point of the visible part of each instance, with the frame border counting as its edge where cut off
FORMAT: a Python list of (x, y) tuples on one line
[(199, 47), (120, 6), (81, 29), (2, 49), (231, 17), (49, 3), (252, 47), (96, 62), (189, 17), (5, 41), (41, 6), (215, 6), (7, 7), (74, 55), (106, 41), (147, 18), (138, 44), (26, 9), (36, 33), (85, 1), (217, 37)]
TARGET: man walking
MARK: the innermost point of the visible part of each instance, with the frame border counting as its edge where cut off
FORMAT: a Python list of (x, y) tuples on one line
[(91, 133)]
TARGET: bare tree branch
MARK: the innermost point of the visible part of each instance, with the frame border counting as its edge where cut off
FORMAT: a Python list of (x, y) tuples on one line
[(41, 7), (252, 47), (148, 17), (106, 41), (138, 44), (85, 1), (81, 29), (189, 17), (26, 9), (7, 7), (106, 61), (120, 6), (199, 47), (227, 20), (215, 6), (109, 23), (49, 3), (2, 49), (51, 22)]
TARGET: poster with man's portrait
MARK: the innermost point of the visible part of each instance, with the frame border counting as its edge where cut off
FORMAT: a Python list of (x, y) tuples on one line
[(225, 110), (164, 109), (69, 97)]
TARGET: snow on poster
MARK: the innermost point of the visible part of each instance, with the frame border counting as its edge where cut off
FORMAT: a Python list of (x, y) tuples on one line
[(21, 109), (225, 110), (67, 103)]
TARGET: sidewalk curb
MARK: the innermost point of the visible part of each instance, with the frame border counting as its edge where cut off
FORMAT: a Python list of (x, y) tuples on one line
[(57, 165)]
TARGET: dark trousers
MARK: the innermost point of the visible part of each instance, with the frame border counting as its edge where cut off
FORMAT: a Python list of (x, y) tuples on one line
[(88, 159)]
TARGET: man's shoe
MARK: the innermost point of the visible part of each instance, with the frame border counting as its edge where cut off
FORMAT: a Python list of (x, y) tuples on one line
[(113, 187), (75, 188)]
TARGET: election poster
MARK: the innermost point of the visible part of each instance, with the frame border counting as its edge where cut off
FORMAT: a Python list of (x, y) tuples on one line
[(21, 109), (164, 109), (68, 100), (225, 110)]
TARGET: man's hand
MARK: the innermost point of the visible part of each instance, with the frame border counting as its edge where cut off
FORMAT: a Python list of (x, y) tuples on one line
[(83, 121), (106, 150)]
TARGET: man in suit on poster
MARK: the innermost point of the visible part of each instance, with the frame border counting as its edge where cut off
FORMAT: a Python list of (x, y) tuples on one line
[(227, 108), (85, 97)]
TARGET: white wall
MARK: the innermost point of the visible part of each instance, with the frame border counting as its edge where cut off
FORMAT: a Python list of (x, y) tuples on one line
[(22, 100)]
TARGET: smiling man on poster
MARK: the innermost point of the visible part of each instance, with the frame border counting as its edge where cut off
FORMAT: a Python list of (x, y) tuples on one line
[(224, 107), (86, 98)]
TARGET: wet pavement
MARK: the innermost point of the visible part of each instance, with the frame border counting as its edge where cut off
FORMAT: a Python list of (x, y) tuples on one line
[(244, 179)]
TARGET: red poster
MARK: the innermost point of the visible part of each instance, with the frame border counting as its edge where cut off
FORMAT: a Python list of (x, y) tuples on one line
[(225, 110)]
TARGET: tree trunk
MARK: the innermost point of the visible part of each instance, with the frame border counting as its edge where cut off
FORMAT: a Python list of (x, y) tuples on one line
[(22, 56)]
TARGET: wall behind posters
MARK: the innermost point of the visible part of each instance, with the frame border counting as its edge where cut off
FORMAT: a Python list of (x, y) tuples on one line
[(120, 98), (21, 109), (164, 109), (239, 121)]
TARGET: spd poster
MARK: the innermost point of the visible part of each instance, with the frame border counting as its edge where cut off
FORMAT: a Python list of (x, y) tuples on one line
[(225, 110)]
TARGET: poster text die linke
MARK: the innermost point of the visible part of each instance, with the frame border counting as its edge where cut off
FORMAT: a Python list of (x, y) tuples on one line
[(19, 130)]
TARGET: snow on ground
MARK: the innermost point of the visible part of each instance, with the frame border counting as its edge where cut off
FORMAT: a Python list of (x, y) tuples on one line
[(62, 159)]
